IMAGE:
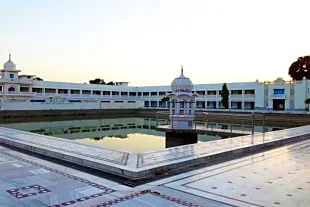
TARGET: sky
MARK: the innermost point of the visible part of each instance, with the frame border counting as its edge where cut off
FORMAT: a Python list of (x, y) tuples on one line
[(145, 42)]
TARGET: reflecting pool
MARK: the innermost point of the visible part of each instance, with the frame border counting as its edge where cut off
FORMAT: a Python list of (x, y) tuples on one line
[(130, 134)]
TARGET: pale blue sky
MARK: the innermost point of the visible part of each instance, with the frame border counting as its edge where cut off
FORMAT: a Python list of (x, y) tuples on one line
[(145, 41)]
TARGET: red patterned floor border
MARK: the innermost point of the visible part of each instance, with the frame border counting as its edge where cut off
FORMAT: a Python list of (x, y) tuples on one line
[(106, 190), (17, 194), (144, 192)]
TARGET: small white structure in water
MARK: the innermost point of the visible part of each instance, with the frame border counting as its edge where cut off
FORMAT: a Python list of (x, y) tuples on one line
[(182, 103)]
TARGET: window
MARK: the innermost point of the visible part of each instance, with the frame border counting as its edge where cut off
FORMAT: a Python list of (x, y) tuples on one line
[(11, 89), (71, 101), (278, 91), (11, 75)]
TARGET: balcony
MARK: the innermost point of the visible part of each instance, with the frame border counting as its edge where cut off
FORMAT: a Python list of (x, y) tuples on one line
[(86, 96), (11, 93), (212, 96), (249, 95), (278, 96), (238, 96), (24, 81)]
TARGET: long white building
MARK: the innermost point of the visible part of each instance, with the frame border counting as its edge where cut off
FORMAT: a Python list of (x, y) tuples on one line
[(22, 92)]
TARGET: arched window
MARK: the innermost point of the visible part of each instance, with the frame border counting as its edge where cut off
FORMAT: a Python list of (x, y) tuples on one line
[(11, 89)]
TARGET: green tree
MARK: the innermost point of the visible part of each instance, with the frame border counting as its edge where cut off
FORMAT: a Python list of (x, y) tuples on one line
[(38, 79), (307, 101), (111, 83), (165, 99), (225, 96), (300, 68), (97, 81)]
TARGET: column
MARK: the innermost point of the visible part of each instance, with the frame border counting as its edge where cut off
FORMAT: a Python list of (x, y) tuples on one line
[(177, 111), (242, 99), (193, 105), (171, 110), (188, 107)]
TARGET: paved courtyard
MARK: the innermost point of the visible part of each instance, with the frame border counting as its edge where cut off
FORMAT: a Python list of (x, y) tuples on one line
[(29, 181), (279, 177)]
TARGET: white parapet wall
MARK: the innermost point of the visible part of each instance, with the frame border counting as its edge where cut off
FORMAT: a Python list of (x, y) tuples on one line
[(72, 106)]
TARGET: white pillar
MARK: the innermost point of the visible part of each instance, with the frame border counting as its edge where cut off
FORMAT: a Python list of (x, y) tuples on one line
[(187, 108), (171, 110), (177, 112), (193, 108)]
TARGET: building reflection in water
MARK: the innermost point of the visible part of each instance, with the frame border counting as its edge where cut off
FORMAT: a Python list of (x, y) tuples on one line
[(132, 134)]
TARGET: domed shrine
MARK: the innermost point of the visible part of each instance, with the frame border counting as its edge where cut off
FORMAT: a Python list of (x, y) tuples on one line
[(182, 103), (9, 65)]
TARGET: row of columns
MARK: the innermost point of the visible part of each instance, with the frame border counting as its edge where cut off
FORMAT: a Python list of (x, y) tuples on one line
[(189, 108)]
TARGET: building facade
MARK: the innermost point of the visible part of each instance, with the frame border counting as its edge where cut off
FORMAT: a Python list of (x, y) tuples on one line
[(24, 92)]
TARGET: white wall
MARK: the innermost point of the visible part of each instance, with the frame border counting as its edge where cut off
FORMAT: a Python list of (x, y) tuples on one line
[(259, 95), (48, 106), (123, 105), (300, 94)]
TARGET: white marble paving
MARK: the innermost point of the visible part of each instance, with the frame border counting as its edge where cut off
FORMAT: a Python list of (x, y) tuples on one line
[(279, 177), (118, 161), (64, 189)]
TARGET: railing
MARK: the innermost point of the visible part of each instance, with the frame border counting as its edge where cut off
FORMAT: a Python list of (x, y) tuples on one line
[(249, 95), (20, 93), (85, 96), (236, 96), (208, 120), (213, 96), (30, 81), (278, 96)]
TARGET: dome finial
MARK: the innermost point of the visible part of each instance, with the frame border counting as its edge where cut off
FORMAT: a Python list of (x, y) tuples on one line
[(10, 56), (182, 69)]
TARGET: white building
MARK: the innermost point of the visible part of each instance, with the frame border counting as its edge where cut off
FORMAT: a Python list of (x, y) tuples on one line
[(22, 92)]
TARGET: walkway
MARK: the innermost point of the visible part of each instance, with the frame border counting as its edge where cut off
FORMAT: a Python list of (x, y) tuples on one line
[(278, 177), (136, 166), (27, 181)]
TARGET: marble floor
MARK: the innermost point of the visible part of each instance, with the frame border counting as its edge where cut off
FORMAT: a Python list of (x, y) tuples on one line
[(29, 181), (132, 165), (278, 177)]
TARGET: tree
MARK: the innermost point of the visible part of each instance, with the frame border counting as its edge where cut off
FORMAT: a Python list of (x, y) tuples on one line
[(38, 79), (97, 81), (225, 96), (307, 101), (300, 68), (111, 83), (165, 99)]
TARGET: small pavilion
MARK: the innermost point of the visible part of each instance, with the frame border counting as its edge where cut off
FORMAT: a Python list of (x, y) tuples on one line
[(182, 103)]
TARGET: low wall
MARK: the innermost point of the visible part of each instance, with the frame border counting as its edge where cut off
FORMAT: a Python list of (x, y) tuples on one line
[(81, 112), (274, 119)]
